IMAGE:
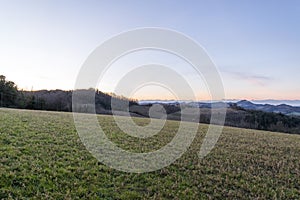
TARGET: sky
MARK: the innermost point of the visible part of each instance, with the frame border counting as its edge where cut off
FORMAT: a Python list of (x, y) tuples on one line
[(254, 44)]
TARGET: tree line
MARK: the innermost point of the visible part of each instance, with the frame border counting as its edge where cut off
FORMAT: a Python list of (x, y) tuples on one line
[(60, 100), (260, 120), (53, 100)]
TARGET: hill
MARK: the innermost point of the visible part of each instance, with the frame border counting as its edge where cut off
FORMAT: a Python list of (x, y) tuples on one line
[(242, 114), (236, 116), (42, 157), (282, 108)]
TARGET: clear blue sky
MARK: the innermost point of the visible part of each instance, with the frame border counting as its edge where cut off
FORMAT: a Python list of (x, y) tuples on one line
[(255, 44)]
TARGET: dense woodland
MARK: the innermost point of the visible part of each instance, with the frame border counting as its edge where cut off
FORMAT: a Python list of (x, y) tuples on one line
[(59, 100), (52, 100), (237, 117)]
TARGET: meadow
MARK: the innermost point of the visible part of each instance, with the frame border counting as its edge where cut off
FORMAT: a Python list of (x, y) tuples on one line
[(42, 157)]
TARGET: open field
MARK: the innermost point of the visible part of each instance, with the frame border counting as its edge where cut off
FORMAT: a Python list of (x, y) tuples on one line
[(42, 157)]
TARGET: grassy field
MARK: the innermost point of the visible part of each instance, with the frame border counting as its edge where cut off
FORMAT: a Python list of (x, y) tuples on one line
[(42, 157)]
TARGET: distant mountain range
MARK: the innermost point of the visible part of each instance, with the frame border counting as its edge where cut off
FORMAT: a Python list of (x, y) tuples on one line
[(282, 108), (272, 102), (271, 116), (267, 101), (274, 106)]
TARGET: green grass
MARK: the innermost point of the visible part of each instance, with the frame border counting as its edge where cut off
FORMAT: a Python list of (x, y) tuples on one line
[(42, 157)]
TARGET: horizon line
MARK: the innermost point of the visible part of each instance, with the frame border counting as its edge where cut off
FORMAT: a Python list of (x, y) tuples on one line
[(142, 99)]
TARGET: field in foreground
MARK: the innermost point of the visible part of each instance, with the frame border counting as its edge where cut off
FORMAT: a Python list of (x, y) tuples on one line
[(42, 157)]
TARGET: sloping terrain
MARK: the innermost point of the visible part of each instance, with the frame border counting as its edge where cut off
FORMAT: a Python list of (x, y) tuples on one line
[(42, 157)]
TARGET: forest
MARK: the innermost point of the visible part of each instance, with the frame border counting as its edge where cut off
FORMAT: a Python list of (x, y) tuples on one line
[(52, 100), (60, 100)]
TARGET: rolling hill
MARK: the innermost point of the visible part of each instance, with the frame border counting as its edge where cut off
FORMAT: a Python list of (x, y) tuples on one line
[(42, 157)]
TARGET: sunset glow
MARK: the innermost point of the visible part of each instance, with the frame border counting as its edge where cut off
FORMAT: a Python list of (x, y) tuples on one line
[(255, 45)]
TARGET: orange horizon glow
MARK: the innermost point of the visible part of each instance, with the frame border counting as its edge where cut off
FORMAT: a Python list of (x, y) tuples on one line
[(198, 97)]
